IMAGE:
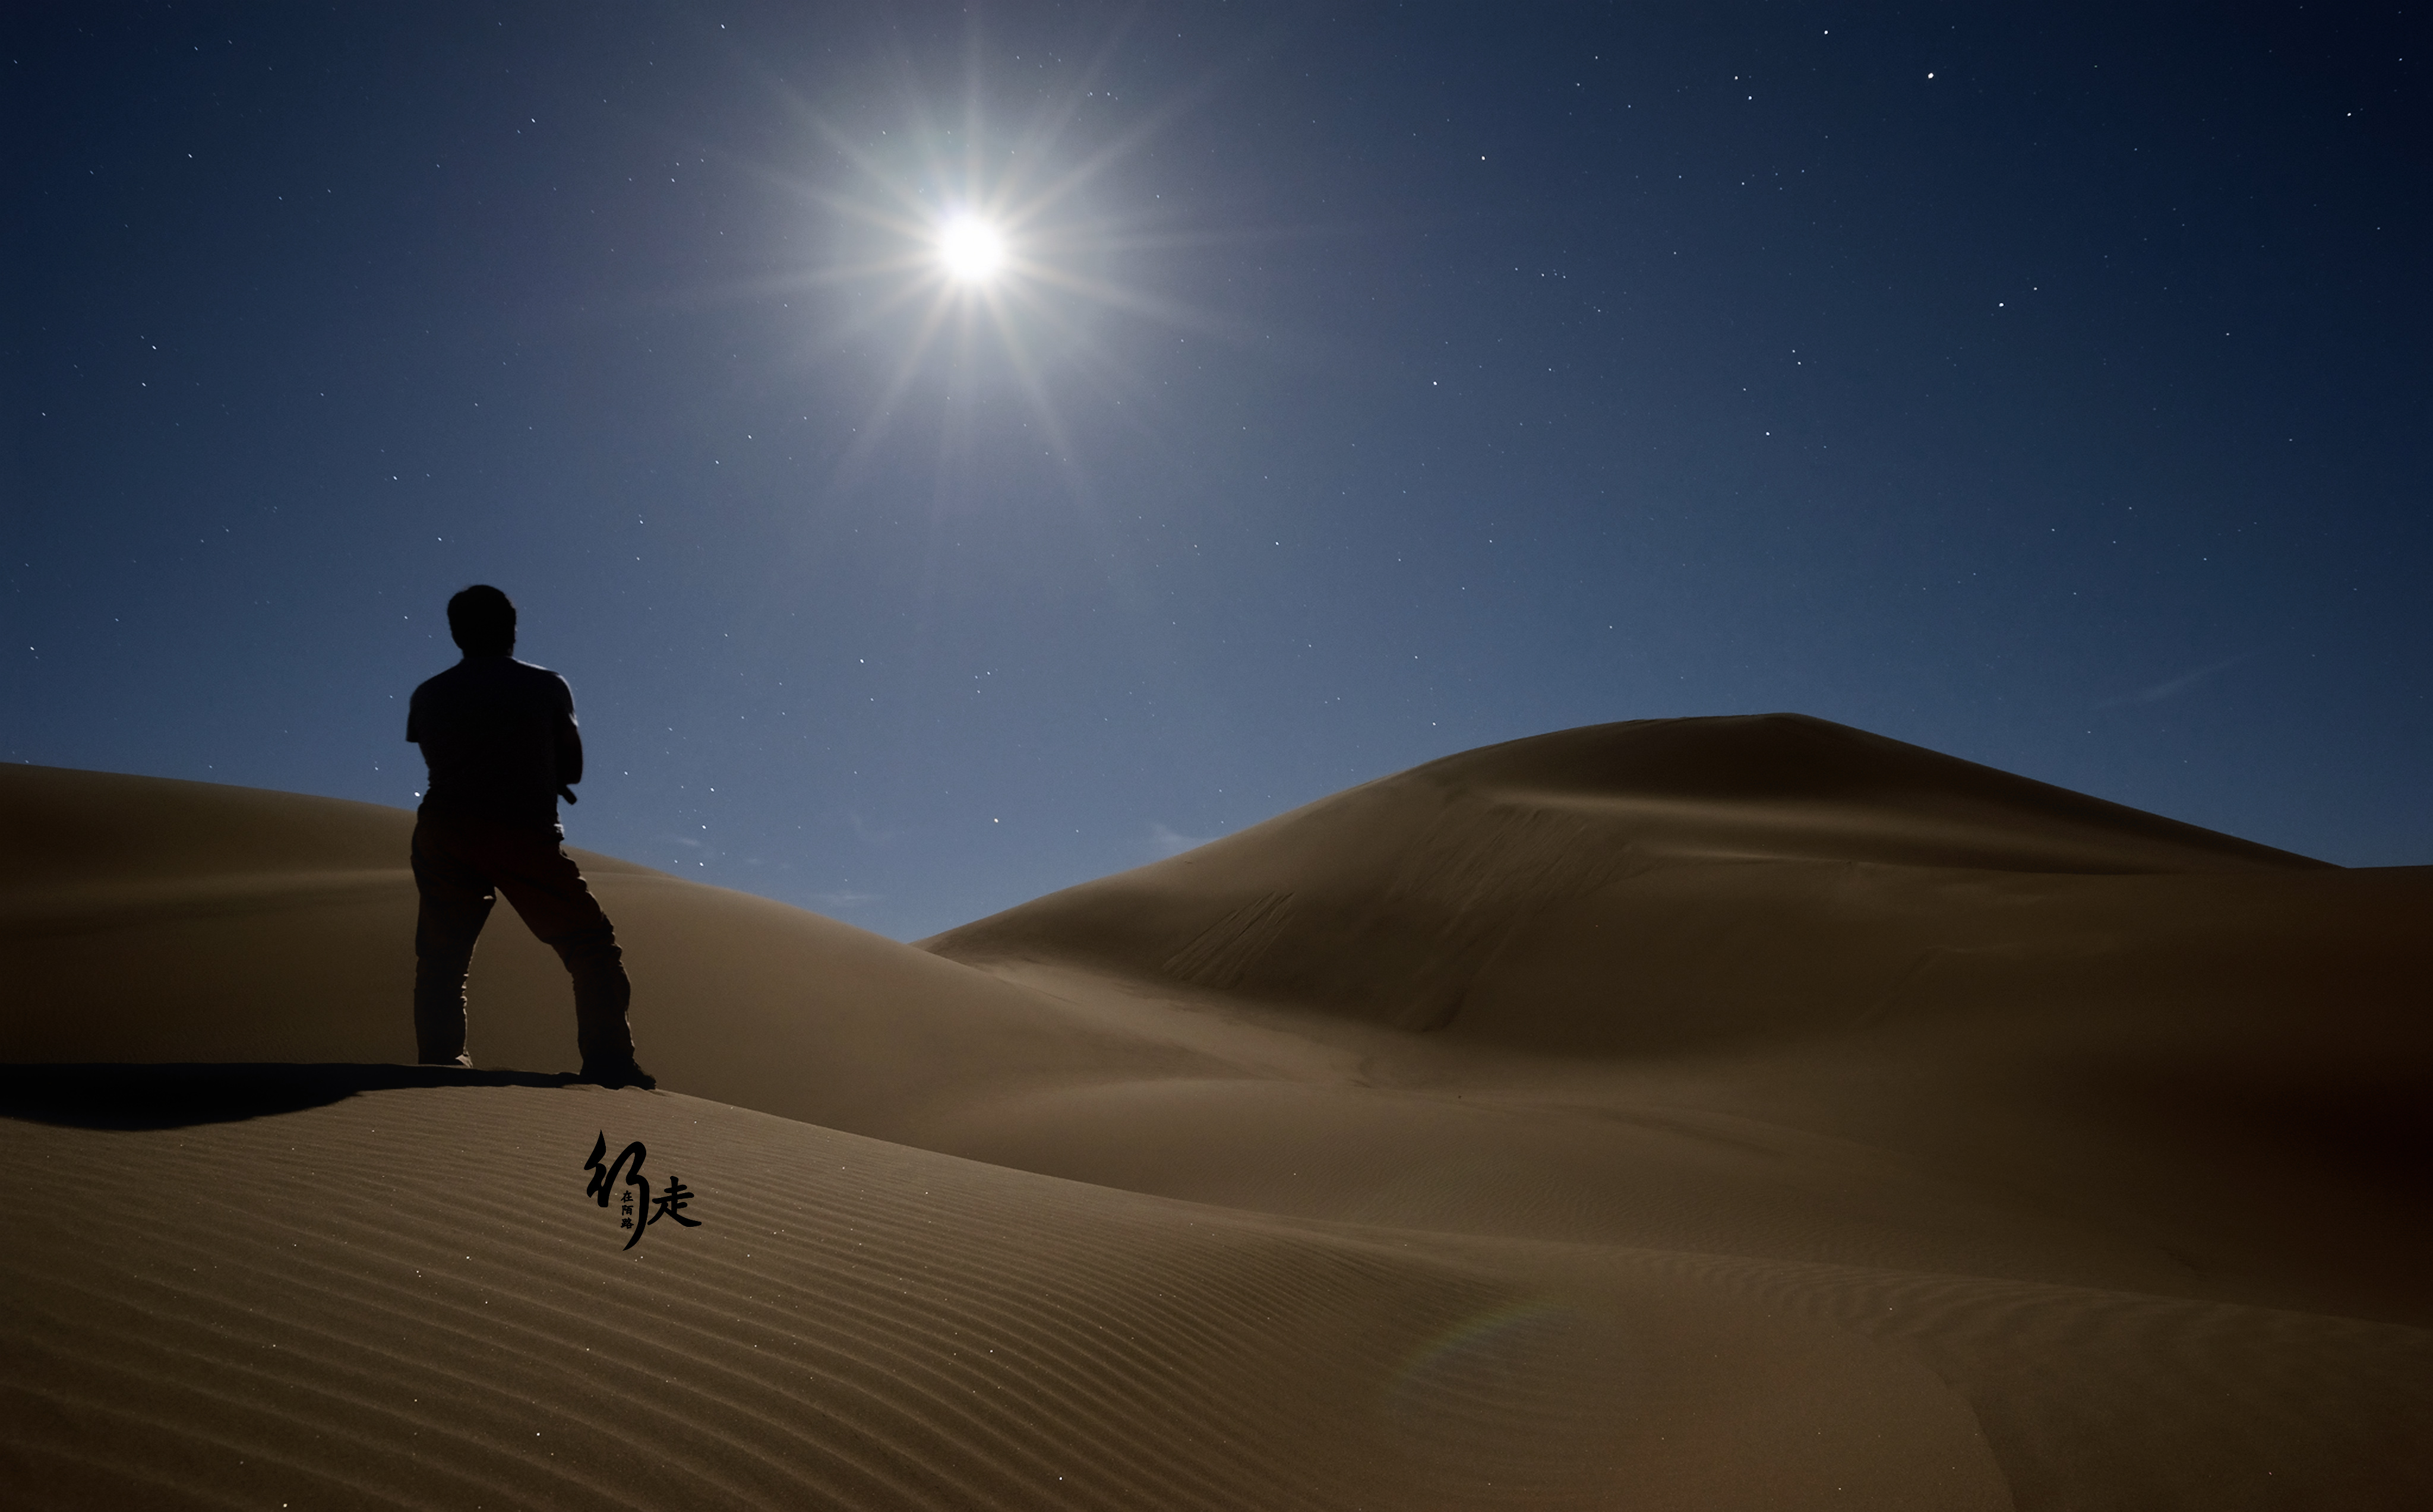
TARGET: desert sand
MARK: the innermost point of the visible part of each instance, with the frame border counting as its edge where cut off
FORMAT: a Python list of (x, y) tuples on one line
[(1741, 1113)]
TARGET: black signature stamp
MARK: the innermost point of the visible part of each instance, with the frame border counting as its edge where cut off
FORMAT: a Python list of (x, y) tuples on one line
[(622, 1178)]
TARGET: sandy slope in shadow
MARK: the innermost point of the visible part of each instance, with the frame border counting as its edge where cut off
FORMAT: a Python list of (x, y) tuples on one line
[(1710, 1112)]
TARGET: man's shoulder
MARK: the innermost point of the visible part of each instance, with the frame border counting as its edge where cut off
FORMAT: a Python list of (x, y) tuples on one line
[(542, 679), (488, 669), (488, 677)]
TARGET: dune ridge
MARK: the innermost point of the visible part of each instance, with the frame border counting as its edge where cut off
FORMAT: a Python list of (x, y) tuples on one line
[(1398, 901)]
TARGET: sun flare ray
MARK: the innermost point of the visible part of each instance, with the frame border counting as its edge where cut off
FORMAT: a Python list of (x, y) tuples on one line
[(965, 262)]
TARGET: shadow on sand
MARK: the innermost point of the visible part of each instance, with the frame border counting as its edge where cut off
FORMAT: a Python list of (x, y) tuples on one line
[(173, 1097)]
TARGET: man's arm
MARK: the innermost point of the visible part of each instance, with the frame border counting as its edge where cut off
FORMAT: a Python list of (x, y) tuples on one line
[(570, 752), (569, 737)]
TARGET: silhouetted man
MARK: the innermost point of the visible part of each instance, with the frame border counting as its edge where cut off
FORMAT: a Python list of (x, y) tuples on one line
[(500, 738)]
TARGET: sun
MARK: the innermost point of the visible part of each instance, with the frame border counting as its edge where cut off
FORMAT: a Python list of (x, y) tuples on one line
[(970, 249), (991, 262)]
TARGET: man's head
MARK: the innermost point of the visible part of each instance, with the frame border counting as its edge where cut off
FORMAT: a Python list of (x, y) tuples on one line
[(483, 620)]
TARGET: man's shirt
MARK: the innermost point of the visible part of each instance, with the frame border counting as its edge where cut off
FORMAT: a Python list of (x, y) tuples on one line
[(499, 736)]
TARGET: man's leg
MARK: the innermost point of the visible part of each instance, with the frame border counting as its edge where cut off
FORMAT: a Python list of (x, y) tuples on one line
[(601, 994), (547, 889), (456, 900)]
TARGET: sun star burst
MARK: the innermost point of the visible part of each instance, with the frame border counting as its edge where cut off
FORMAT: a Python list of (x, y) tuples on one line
[(971, 249)]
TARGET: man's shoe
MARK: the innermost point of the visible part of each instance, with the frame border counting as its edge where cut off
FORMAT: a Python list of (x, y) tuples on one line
[(463, 1062), (619, 1074)]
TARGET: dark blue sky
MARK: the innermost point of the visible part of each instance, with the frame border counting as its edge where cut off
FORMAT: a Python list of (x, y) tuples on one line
[(2046, 389)]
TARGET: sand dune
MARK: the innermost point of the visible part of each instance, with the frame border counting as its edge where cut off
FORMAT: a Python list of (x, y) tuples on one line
[(135, 948), (400, 1298), (1724, 1112), (1699, 878), (2191, 1062)]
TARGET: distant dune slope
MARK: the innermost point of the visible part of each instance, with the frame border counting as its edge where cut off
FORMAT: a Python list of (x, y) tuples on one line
[(1647, 885), (1648, 983)]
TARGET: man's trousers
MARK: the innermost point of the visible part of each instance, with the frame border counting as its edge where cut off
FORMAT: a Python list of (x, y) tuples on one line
[(459, 867)]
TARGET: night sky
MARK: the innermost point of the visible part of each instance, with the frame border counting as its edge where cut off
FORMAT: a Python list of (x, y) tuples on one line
[(1363, 384)]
